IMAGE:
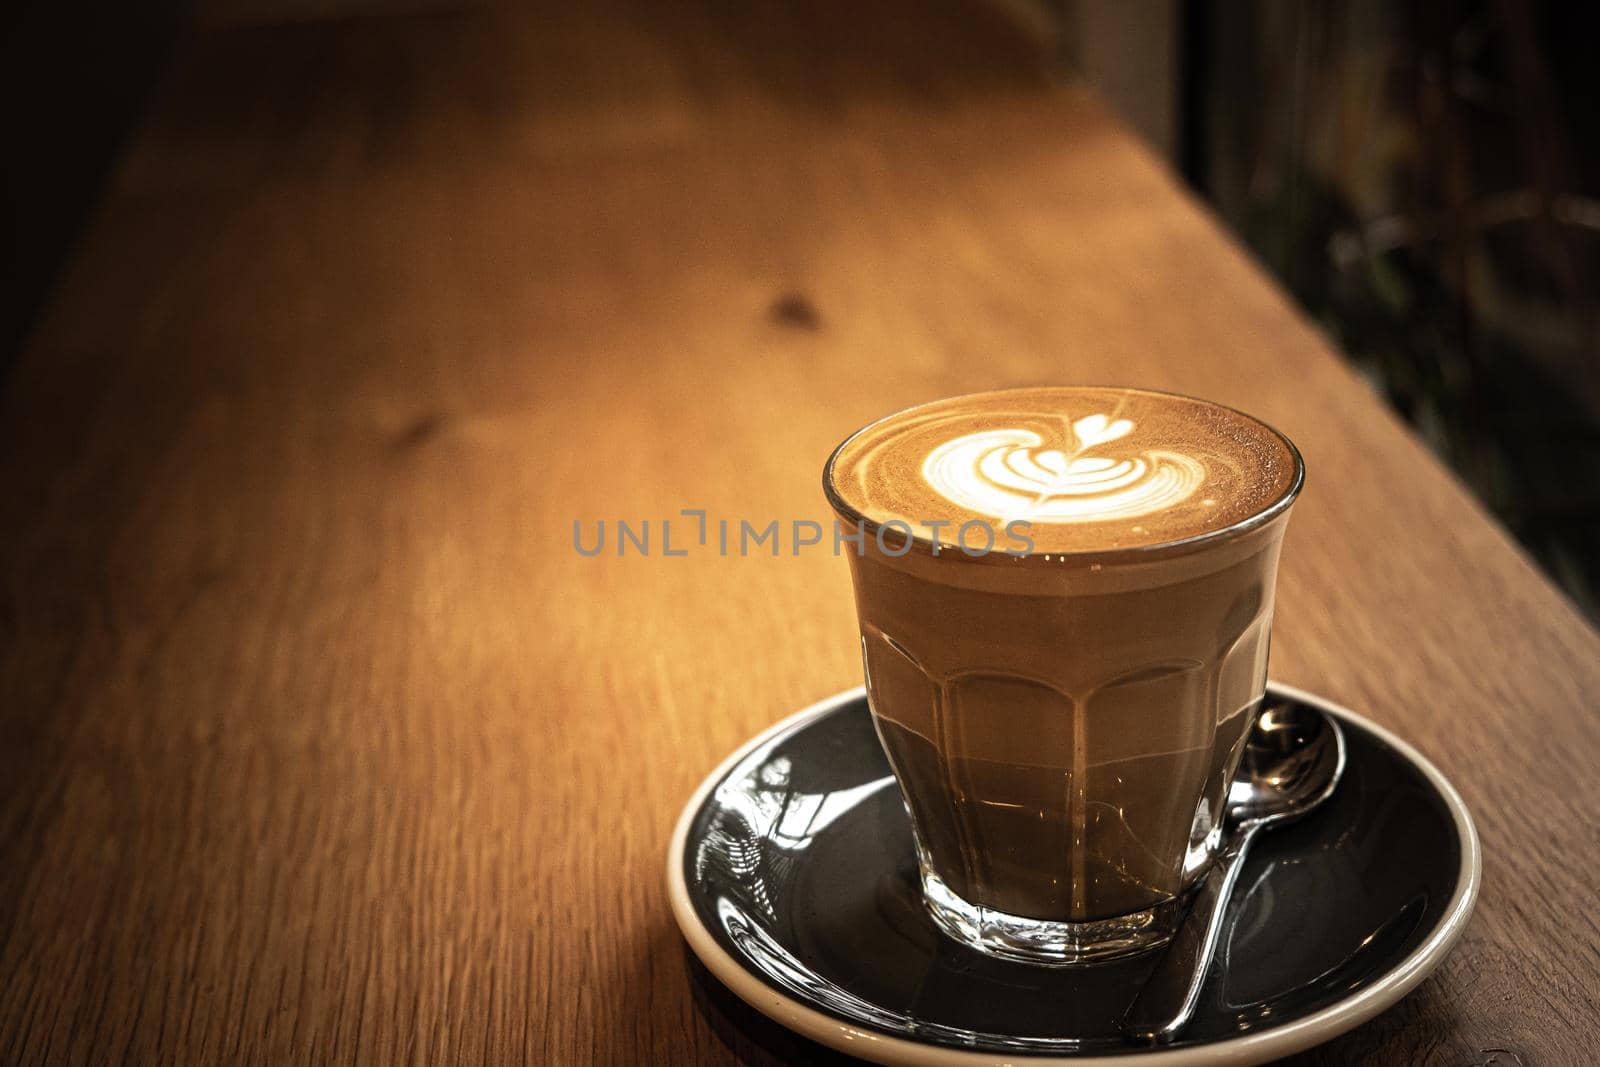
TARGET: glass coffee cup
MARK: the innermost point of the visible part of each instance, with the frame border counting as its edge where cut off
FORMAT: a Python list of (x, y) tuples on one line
[(1065, 599)]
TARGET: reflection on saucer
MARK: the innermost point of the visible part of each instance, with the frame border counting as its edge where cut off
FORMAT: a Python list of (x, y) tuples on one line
[(794, 879)]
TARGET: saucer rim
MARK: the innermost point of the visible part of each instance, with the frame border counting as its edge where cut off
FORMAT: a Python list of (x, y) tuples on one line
[(1301, 1034)]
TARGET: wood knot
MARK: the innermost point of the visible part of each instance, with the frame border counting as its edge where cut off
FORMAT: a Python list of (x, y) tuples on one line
[(421, 430), (796, 312)]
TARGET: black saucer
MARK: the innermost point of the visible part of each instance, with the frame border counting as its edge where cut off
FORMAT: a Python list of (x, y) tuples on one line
[(792, 876)]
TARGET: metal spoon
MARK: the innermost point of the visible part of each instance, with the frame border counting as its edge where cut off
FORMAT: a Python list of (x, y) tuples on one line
[(1292, 762)]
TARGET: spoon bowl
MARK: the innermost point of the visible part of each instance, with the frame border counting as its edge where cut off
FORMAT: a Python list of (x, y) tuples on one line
[(1293, 759), (1292, 762)]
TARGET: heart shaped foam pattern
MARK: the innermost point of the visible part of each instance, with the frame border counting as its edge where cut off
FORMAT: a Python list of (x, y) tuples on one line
[(1088, 469), (1005, 475)]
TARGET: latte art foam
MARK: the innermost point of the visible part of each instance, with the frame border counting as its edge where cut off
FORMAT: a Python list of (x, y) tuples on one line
[(1087, 469), (1008, 474)]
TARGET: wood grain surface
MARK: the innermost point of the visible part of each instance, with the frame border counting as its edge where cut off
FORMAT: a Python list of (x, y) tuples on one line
[(321, 744)]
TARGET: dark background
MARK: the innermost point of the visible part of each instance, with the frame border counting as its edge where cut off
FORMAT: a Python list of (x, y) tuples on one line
[(73, 78), (1423, 177)]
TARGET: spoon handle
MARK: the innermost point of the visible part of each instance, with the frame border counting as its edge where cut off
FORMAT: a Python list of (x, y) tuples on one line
[(1167, 1001)]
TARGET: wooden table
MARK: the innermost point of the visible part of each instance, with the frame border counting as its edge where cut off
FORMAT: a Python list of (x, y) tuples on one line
[(322, 744)]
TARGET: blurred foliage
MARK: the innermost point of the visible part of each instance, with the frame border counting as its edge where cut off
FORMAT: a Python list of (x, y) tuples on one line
[(1422, 177)]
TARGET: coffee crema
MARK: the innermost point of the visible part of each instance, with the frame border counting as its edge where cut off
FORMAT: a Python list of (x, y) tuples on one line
[(1087, 468)]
